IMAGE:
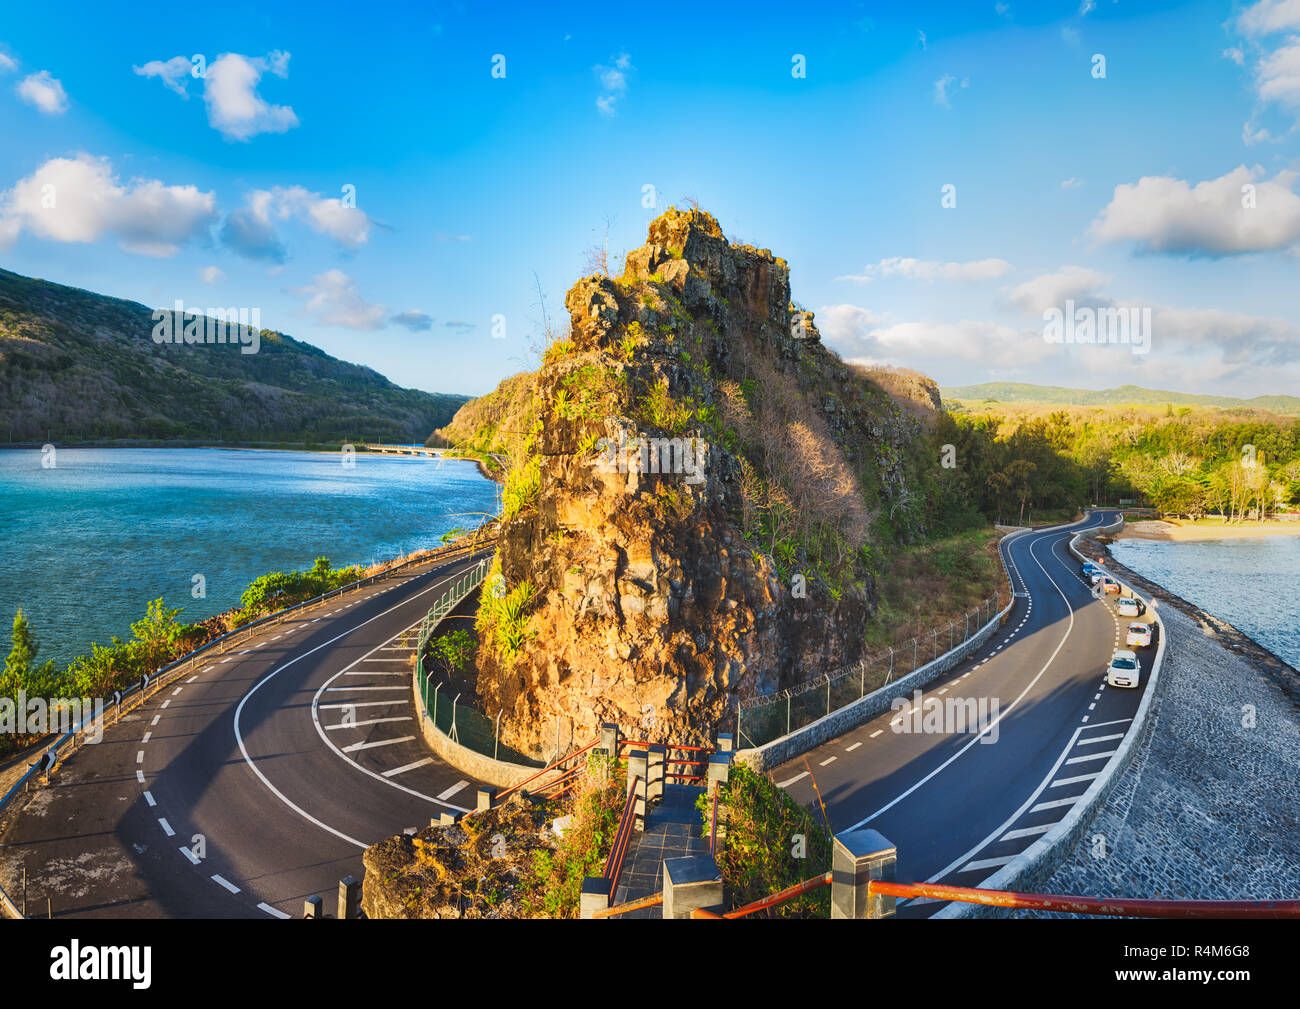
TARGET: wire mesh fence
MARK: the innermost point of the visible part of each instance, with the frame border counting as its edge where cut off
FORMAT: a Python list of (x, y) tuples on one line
[(762, 720), (461, 722)]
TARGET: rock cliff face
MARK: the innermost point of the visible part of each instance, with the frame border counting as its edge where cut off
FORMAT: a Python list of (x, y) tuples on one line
[(688, 518)]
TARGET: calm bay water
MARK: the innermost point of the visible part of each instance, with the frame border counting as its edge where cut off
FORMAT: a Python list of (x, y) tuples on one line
[(85, 545), (1253, 584)]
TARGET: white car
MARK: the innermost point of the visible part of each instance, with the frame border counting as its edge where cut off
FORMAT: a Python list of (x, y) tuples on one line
[(1139, 635), (1129, 607), (1123, 670)]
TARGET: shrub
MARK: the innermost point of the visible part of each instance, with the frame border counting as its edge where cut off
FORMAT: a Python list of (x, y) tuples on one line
[(759, 854)]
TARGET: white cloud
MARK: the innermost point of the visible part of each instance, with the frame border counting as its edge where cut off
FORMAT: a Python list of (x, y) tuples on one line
[(174, 73), (1269, 16), (1071, 183), (1235, 54), (235, 108), (861, 336), (414, 321), (920, 37), (251, 232), (941, 86), (333, 299), (44, 91), (81, 200), (7, 64), (211, 274), (1087, 7), (613, 82), (1050, 290), (1162, 214), (932, 270), (1252, 135), (1277, 76), (1003, 10)]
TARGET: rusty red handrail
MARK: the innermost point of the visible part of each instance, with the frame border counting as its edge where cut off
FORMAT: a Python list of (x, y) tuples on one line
[(1136, 907), (546, 770), (790, 892), (622, 838), (670, 746), (631, 905)]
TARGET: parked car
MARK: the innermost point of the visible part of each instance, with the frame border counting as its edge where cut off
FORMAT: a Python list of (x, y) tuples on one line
[(1130, 607), (1139, 635), (1109, 586), (1123, 670)]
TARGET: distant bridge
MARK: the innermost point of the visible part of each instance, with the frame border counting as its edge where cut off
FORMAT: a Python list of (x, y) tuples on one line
[(403, 449)]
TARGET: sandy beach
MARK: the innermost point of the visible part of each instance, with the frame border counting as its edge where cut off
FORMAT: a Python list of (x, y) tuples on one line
[(1206, 529)]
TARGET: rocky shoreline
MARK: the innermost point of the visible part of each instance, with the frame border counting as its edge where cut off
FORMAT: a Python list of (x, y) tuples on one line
[(1210, 807)]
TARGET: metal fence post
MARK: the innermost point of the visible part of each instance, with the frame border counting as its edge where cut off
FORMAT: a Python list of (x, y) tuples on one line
[(914, 655), (496, 744), (787, 714), (828, 693)]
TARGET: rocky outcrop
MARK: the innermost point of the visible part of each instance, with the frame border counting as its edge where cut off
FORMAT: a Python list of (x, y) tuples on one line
[(693, 506)]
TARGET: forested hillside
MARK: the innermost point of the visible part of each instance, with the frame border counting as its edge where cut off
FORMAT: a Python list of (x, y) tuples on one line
[(76, 365)]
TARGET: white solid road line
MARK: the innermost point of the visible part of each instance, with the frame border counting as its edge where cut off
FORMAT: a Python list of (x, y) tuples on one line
[(222, 881), (1091, 756), (798, 777), (987, 863), (1101, 739), (453, 790), (371, 721), (1075, 780), (379, 742), (239, 737), (1012, 835), (1055, 804), (349, 690), (379, 672), (1001, 714), (411, 767), (361, 704), (275, 912)]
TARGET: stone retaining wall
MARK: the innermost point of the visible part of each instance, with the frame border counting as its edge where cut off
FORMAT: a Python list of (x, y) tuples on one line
[(840, 721)]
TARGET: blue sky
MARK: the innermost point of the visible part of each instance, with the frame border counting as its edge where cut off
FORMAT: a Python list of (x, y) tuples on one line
[(1118, 191)]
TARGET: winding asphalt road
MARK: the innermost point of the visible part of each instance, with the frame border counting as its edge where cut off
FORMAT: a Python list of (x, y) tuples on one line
[(960, 805), (254, 784)]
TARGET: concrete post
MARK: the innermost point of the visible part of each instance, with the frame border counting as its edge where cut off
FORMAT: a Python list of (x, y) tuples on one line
[(656, 769), (349, 897), (726, 742), (636, 771), (689, 883), (609, 738), (860, 856), (595, 896), (313, 907), (719, 770), (485, 797), (445, 819)]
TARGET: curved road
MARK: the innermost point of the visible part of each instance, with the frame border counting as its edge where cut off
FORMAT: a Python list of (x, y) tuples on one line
[(255, 783), (260, 780), (960, 805)]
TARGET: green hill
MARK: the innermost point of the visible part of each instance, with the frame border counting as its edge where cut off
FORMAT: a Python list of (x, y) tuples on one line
[(1021, 392), (76, 365)]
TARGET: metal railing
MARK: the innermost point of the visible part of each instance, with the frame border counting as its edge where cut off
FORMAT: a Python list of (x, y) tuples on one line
[(1123, 906), (763, 719), (622, 838), (135, 695)]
